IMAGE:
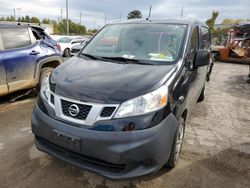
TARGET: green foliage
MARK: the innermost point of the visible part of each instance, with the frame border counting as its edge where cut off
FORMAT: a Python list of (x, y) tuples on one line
[(10, 19), (92, 32), (46, 21), (210, 22), (27, 19), (134, 14), (61, 28), (232, 21), (34, 20)]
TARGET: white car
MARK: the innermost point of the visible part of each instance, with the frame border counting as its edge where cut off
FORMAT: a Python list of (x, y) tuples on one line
[(68, 42)]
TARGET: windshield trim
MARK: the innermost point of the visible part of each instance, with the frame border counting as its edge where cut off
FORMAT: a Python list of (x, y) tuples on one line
[(150, 62)]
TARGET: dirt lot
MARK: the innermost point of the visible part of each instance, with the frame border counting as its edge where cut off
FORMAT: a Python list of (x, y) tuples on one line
[(216, 152)]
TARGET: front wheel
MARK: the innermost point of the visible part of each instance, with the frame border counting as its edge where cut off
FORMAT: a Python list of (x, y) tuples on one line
[(203, 93), (66, 52), (177, 144)]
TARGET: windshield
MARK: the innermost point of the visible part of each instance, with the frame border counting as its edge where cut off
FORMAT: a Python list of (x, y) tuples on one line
[(153, 43), (65, 40)]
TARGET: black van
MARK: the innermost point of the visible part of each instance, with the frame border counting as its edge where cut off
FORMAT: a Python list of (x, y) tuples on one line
[(119, 107)]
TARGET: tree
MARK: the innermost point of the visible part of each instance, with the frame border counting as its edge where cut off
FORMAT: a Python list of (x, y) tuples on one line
[(134, 14), (22, 19), (34, 20), (2, 19), (232, 21), (27, 19), (210, 22), (61, 28), (10, 19), (46, 21)]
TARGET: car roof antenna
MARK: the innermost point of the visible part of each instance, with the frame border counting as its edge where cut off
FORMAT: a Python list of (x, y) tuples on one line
[(149, 14)]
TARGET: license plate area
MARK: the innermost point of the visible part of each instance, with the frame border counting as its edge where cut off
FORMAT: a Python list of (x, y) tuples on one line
[(67, 141)]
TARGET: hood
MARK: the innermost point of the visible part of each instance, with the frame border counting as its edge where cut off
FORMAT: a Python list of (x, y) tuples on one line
[(105, 82)]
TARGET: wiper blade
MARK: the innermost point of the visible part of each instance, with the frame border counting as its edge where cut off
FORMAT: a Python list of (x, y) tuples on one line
[(126, 60), (93, 57)]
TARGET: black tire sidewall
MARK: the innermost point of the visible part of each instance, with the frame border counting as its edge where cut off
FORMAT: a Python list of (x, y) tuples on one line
[(66, 52), (202, 95), (172, 162)]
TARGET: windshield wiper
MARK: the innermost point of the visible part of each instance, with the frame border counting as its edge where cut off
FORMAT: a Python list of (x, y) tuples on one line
[(93, 57), (125, 60)]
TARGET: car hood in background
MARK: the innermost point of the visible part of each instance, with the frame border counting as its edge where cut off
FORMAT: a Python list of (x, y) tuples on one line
[(105, 82)]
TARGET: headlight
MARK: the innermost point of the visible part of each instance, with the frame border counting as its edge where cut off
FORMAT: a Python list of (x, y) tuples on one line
[(45, 87), (144, 104)]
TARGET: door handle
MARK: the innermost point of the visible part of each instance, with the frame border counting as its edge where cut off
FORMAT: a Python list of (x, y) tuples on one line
[(34, 52)]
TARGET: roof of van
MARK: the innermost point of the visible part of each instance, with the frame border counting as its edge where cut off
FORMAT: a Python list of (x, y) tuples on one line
[(169, 21)]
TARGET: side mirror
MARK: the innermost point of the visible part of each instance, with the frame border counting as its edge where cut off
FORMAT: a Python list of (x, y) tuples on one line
[(202, 58)]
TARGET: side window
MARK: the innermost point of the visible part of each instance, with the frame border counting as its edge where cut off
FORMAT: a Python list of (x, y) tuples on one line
[(15, 37), (194, 43), (205, 38)]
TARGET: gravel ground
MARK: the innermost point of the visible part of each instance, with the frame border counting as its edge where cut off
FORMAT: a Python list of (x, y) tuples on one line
[(216, 152)]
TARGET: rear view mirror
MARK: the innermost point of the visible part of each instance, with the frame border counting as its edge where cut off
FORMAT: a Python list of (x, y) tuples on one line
[(202, 58)]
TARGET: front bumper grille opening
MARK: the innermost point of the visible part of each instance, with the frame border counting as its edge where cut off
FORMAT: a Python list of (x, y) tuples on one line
[(83, 113), (52, 99), (90, 162), (107, 111)]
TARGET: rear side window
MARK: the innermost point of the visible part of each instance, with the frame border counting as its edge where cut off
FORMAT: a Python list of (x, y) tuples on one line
[(15, 37), (205, 38)]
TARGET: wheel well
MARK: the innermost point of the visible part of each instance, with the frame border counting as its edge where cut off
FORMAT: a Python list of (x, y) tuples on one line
[(184, 115), (52, 64)]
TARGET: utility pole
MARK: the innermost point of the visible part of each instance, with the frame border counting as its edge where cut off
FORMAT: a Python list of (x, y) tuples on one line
[(120, 16), (61, 13), (182, 13), (14, 12), (67, 17), (19, 9), (105, 18), (80, 17)]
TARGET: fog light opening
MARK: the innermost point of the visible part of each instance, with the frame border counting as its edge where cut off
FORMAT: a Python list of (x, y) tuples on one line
[(129, 127)]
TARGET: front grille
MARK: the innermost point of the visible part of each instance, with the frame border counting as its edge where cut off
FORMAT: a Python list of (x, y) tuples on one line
[(83, 160), (52, 99), (107, 111), (83, 113)]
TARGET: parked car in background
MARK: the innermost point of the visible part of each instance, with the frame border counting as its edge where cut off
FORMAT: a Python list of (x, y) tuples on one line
[(77, 48), (119, 107), (68, 42), (27, 54)]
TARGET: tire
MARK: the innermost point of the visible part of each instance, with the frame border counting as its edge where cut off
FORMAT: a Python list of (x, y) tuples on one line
[(66, 52), (202, 95), (43, 73), (177, 144)]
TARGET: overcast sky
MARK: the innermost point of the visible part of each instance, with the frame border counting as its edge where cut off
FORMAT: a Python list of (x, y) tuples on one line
[(94, 11)]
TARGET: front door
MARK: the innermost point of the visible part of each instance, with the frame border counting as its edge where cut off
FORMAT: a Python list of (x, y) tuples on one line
[(19, 58), (194, 72), (3, 84)]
